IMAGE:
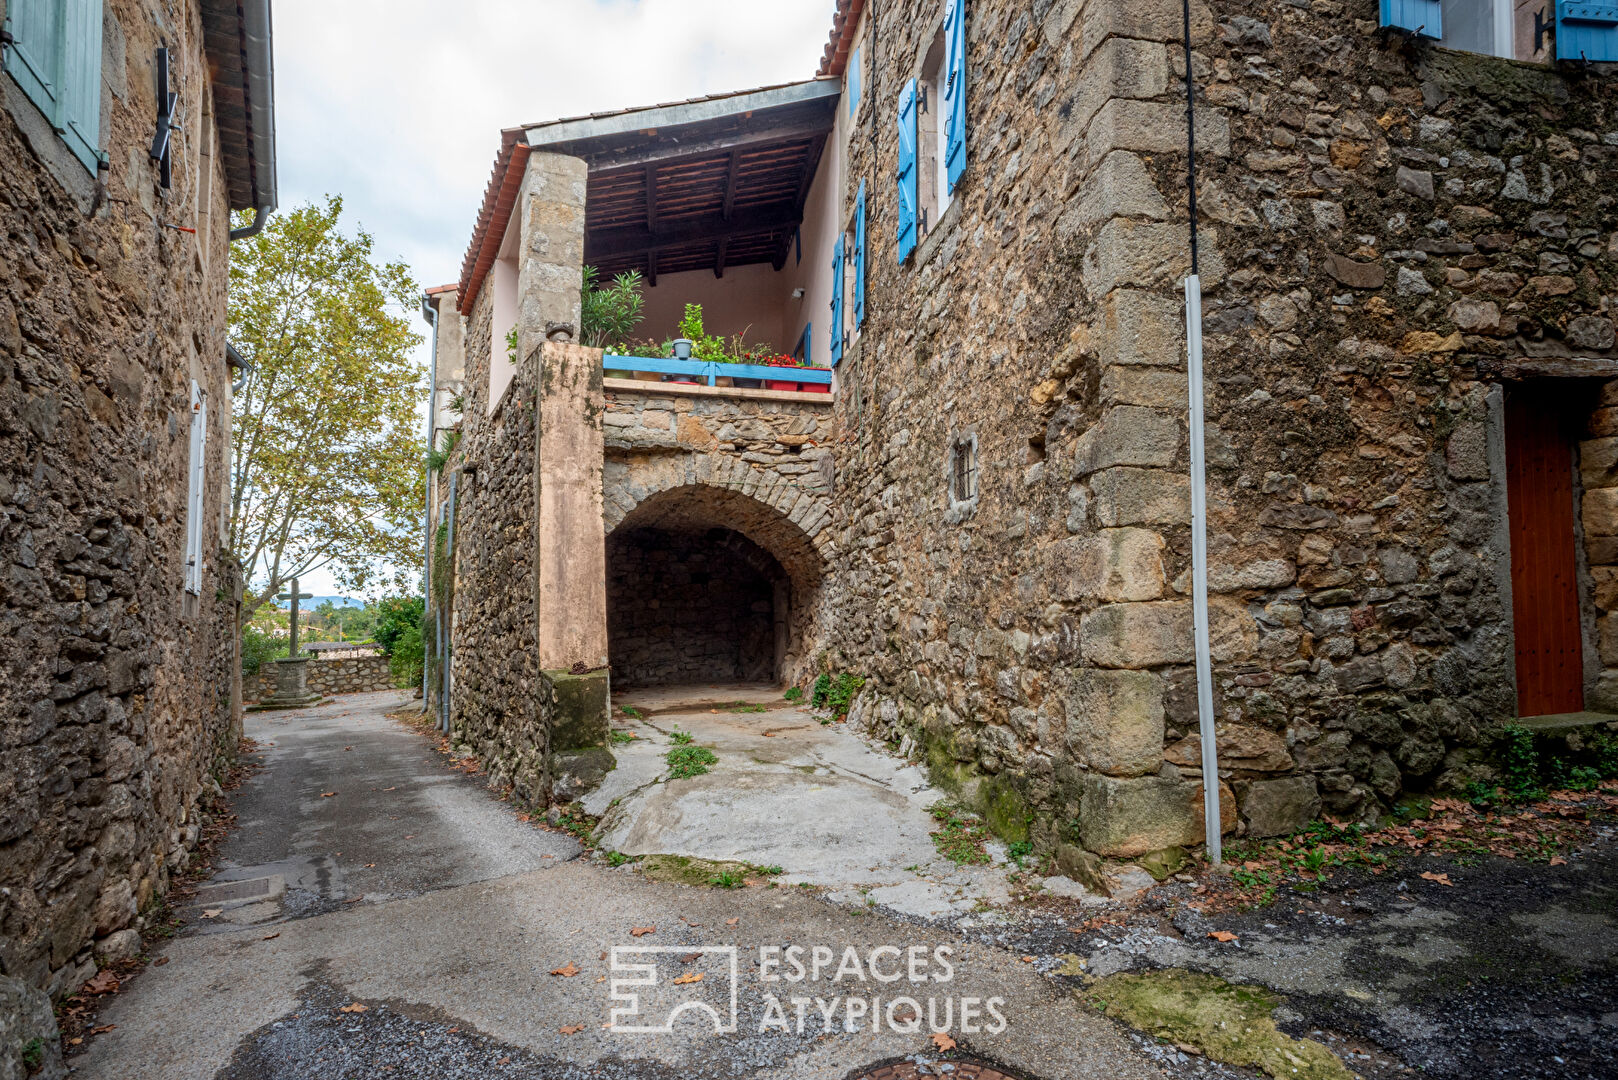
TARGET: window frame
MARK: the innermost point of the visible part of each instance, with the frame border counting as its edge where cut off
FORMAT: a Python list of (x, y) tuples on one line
[(196, 490), (63, 77), (963, 475)]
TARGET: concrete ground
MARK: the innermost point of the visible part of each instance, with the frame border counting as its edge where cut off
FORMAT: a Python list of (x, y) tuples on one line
[(826, 805), (381, 914)]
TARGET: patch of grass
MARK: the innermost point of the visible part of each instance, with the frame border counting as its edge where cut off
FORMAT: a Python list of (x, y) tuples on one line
[(681, 738), (1228, 1023), (580, 824), (619, 738), (727, 879), (1019, 851), (33, 1054), (773, 871), (687, 761), (617, 858), (960, 837), (632, 713), (794, 693), (745, 708)]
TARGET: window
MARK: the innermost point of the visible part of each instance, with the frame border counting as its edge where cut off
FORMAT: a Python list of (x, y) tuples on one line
[(1480, 26), (55, 58), (848, 277), (854, 81), (801, 351), (195, 489), (963, 470), (940, 138)]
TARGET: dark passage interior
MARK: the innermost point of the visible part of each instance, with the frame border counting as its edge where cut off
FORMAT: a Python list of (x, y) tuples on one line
[(691, 606)]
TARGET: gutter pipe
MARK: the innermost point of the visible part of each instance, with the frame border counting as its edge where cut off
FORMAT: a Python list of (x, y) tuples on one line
[(444, 617), (429, 313), (236, 360), (1199, 485), (258, 89)]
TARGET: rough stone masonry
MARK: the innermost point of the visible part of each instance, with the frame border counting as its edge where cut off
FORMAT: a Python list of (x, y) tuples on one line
[(1384, 224), (118, 688)]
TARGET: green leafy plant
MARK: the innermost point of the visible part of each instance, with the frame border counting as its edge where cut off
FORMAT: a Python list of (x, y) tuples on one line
[(608, 313), (437, 459), (728, 879), (704, 346), (794, 693), (408, 655), (620, 738), (681, 738), (749, 708), (960, 837), (259, 648), (458, 403), (1019, 851), (629, 711), (511, 345), (835, 693), (616, 858), (688, 761), (33, 1053)]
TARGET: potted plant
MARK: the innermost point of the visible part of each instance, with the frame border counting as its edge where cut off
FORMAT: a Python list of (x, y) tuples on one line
[(608, 313)]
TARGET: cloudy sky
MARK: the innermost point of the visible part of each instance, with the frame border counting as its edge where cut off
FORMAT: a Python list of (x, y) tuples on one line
[(398, 104)]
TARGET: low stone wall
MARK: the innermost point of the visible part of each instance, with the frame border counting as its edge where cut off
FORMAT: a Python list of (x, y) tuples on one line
[(349, 675)]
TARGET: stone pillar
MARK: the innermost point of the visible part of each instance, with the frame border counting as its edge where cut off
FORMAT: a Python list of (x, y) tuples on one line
[(571, 560), (570, 571)]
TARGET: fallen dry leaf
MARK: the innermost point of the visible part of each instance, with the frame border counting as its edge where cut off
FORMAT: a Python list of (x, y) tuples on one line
[(369, 865), (271, 937), (105, 982), (733, 922), (75, 1041), (688, 977), (1442, 879), (1222, 935), (566, 971), (1557, 860), (571, 1029), (452, 1031), (327, 794), (356, 899), (213, 913), (354, 1007), (943, 1041), (641, 931), (160, 961), (1028, 959), (103, 1029)]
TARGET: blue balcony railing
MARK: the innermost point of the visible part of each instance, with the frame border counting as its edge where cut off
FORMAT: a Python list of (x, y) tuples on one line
[(709, 372)]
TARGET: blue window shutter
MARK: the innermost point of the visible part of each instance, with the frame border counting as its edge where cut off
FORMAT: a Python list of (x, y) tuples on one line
[(859, 257), (837, 302), (1586, 31), (1424, 17), (908, 191), (35, 60), (955, 92), (853, 81), (79, 120)]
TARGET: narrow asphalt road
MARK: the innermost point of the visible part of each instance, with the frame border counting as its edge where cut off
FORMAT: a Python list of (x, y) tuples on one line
[(379, 913)]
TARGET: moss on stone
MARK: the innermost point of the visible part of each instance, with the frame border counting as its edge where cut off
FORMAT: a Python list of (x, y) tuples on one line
[(1228, 1023), (687, 870), (1005, 809)]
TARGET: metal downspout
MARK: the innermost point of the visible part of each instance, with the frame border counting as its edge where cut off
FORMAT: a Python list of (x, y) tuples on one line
[(1199, 485), (449, 557), (429, 313)]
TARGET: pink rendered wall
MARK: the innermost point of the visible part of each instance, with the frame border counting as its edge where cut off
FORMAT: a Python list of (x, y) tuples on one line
[(746, 300)]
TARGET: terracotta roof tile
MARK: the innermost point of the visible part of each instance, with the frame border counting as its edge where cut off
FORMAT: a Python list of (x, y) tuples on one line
[(845, 18)]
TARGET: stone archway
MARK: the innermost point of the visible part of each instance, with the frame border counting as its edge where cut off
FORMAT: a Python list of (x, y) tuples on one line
[(710, 582)]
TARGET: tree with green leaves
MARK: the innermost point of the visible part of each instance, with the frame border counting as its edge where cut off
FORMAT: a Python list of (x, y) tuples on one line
[(327, 456)]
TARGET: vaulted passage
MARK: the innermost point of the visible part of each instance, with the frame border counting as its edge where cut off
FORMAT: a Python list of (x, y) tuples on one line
[(694, 595)]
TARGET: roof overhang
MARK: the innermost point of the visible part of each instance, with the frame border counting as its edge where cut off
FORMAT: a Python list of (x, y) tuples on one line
[(844, 21), (713, 182), (236, 40)]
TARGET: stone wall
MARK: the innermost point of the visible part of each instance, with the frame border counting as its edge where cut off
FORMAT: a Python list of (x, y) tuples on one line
[(690, 607), (334, 675), (116, 710), (1383, 226), (756, 462)]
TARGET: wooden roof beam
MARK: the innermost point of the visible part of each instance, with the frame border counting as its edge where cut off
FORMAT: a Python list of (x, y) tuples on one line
[(730, 184), (604, 243), (724, 250)]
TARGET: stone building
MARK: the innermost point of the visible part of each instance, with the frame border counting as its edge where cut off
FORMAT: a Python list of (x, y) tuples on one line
[(128, 133), (977, 214)]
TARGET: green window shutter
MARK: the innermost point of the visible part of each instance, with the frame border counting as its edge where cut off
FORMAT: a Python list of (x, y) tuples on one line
[(34, 61), (56, 60), (79, 119)]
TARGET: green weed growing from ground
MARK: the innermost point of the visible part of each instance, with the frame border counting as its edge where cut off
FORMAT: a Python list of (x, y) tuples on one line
[(686, 761)]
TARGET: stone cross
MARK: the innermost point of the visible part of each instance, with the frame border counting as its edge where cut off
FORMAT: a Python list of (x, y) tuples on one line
[(294, 596)]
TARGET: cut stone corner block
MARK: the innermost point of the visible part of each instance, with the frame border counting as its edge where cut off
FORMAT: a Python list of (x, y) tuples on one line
[(1124, 818)]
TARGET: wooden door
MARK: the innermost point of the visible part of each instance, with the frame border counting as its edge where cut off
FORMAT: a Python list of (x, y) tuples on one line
[(1544, 561)]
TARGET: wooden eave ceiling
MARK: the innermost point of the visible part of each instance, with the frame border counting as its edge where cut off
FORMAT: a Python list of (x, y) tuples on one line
[(720, 192)]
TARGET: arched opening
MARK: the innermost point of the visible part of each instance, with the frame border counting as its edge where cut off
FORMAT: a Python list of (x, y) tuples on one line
[(705, 585)]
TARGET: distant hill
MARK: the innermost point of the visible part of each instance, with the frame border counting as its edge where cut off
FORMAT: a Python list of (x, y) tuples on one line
[(337, 601)]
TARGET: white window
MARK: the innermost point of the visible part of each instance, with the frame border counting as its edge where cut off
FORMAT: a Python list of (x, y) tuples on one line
[(932, 172), (195, 490), (1480, 26)]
